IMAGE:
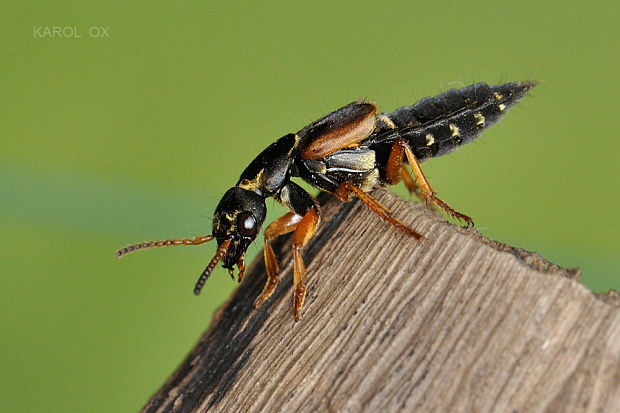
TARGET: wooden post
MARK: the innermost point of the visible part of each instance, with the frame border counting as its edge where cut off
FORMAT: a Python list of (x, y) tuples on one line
[(455, 323)]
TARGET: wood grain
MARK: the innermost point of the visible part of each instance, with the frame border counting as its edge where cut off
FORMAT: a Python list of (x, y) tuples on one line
[(454, 323)]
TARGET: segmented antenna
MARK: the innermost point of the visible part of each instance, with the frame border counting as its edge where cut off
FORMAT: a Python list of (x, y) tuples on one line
[(221, 251), (163, 243)]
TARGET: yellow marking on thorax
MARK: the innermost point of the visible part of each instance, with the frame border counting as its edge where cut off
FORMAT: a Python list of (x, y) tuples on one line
[(430, 139), (296, 144), (497, 95), (252, 184), (501, 107), (479, 119)]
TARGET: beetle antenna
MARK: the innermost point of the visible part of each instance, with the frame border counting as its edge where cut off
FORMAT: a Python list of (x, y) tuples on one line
[(163, 243), (221, 251)]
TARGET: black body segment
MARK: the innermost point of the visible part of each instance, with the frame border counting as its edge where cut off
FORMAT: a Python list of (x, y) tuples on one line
[(437, 126), (270, 170)]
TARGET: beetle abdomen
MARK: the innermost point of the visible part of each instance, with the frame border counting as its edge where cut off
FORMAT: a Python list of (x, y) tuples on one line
[(435, 126)]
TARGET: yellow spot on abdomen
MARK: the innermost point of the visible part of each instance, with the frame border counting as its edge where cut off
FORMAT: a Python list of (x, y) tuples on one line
[(455, 130), (479, 119), (430, 139), (501, 107)]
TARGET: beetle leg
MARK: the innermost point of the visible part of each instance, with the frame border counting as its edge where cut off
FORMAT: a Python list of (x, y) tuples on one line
[(344, 194), (304, 231), (410, 183), (303, 219), (241, 267), (283, 225), (425, 186), (301, 202), (395, 171), (395, 163)]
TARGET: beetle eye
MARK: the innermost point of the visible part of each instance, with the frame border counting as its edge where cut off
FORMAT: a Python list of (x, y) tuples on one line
[(246, 224)]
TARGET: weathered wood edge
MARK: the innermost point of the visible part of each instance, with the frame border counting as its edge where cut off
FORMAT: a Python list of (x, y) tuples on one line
[(224, 348)]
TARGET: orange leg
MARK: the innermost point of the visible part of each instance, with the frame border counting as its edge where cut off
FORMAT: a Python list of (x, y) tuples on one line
[(283, 225), (395, 170), (241, 266), (304, 228), (410, 183), (425, 186), (344, 194)]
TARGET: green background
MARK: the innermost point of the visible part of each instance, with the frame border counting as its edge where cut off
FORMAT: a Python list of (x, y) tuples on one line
[(134, 136)]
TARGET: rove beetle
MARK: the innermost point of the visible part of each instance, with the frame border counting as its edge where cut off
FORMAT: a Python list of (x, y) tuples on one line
[(348, 152)]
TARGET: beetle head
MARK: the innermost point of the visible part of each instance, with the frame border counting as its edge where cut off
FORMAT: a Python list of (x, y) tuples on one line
[(238, 218), (236, 223)]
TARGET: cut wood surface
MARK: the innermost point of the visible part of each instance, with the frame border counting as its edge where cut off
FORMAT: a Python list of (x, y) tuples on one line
[(455, 323)]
